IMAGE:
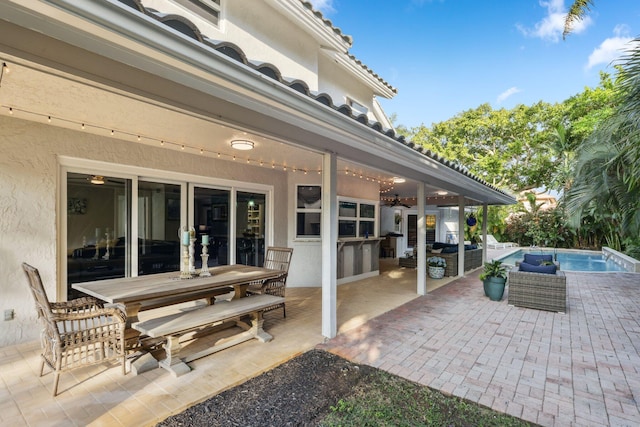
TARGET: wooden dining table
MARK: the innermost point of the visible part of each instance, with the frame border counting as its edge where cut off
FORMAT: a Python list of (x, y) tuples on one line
[(133, 292), (166, 288)]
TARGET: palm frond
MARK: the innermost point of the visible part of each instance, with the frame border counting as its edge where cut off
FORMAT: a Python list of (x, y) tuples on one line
[(577, 12)]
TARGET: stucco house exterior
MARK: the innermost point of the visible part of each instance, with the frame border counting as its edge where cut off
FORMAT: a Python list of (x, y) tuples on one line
[(250, 121)]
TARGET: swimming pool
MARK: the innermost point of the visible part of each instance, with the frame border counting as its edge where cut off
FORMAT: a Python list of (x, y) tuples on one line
[(570, 260)]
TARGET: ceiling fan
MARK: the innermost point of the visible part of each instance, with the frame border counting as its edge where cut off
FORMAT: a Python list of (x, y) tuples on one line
[(397, 202)]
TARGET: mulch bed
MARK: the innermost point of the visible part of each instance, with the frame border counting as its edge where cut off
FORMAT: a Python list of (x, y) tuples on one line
[(301, 391)]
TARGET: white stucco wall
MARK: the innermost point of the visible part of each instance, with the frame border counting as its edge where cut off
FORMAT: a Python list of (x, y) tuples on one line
[(29, 192), (306, 264), (263, 34), (335, 81)]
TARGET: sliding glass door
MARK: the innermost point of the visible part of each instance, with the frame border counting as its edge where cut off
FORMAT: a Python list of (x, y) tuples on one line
[(104, 212), (211, 218), (250, 228), (98, 228)]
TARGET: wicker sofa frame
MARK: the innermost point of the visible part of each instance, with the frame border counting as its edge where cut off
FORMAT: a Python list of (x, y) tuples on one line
[(538, 290), (472, 259)]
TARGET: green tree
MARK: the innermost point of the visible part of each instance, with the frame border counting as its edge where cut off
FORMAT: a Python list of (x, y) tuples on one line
[(505, 147), (607, 183)]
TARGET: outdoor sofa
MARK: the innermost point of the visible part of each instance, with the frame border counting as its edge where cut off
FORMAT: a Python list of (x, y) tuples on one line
[(538, 283), (449, 251)]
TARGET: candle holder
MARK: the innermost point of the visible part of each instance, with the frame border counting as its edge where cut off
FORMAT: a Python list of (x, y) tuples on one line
[(192, 258), (106, 254), (204, 271), (184, 271), (186, 235)]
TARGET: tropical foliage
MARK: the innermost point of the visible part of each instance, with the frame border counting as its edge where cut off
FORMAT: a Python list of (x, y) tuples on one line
[(585, 148)]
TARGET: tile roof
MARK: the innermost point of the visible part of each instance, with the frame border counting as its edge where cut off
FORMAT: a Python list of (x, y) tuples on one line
[(348, 39), (188, 28)]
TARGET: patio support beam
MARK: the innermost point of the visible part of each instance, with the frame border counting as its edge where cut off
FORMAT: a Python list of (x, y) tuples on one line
[(461, 224), (485, 215), (329, 244), (422, 242)]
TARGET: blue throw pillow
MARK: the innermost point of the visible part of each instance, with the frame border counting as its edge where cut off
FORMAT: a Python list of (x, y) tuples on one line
[(440, 245), (537, 259), (470, 247), (531, 268), (449, 250)]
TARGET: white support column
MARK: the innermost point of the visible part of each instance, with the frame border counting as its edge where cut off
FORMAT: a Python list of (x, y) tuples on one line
[(485, 216), (329, 235), (422, 242), (461, 236)]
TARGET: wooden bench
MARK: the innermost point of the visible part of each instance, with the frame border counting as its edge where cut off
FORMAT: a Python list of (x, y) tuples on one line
[(175, 325)]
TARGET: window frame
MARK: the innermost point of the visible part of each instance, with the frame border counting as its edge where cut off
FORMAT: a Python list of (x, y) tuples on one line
[(358, 218), (318, 210), (68, 164), (357, 107), (209, 10)]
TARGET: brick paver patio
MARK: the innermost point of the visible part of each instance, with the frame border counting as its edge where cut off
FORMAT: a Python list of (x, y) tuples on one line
[(579, 368)]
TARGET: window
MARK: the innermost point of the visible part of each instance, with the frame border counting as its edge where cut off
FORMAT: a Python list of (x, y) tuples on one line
[(98, 228), (412, 229), (250, 210), (356, 219), (211, 217), (308, 211), (356, 107), (208, 9), (127, 225), (158, 222)]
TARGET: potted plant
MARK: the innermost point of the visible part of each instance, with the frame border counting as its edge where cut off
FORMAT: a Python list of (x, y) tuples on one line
[(436, 267), (494, 278)]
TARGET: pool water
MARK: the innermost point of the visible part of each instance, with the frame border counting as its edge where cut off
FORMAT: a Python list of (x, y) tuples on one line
[(569, 260)]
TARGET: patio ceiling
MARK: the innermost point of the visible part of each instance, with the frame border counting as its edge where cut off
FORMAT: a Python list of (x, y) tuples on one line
[(159, 86)]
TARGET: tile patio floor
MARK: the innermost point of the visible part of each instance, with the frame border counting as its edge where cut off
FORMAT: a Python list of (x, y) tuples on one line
[(578, 368)]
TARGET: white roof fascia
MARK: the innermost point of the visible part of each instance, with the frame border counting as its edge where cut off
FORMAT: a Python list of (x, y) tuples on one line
[(381, 116), (308, 22), (378, 87), (106, 28)]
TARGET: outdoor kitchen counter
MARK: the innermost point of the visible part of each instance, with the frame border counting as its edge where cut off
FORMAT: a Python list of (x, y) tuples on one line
[(358, 258)]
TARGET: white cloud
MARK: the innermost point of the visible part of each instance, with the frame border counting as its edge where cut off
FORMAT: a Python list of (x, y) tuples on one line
[(323, 6), (552, 25), (507, 93), (612, 48)]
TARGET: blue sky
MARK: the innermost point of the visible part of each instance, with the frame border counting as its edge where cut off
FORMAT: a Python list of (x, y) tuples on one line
[(447, 56)]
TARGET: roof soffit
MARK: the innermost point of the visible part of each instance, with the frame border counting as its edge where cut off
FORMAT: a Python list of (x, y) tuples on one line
[(187, 63)]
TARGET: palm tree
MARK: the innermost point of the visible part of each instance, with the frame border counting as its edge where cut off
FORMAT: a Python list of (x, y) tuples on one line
[(577, 12), (607, 178), (563, 157)]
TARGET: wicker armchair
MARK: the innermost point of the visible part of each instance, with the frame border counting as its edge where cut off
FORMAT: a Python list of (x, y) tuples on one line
[(275, 259), (538, 290), (76, 333)]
